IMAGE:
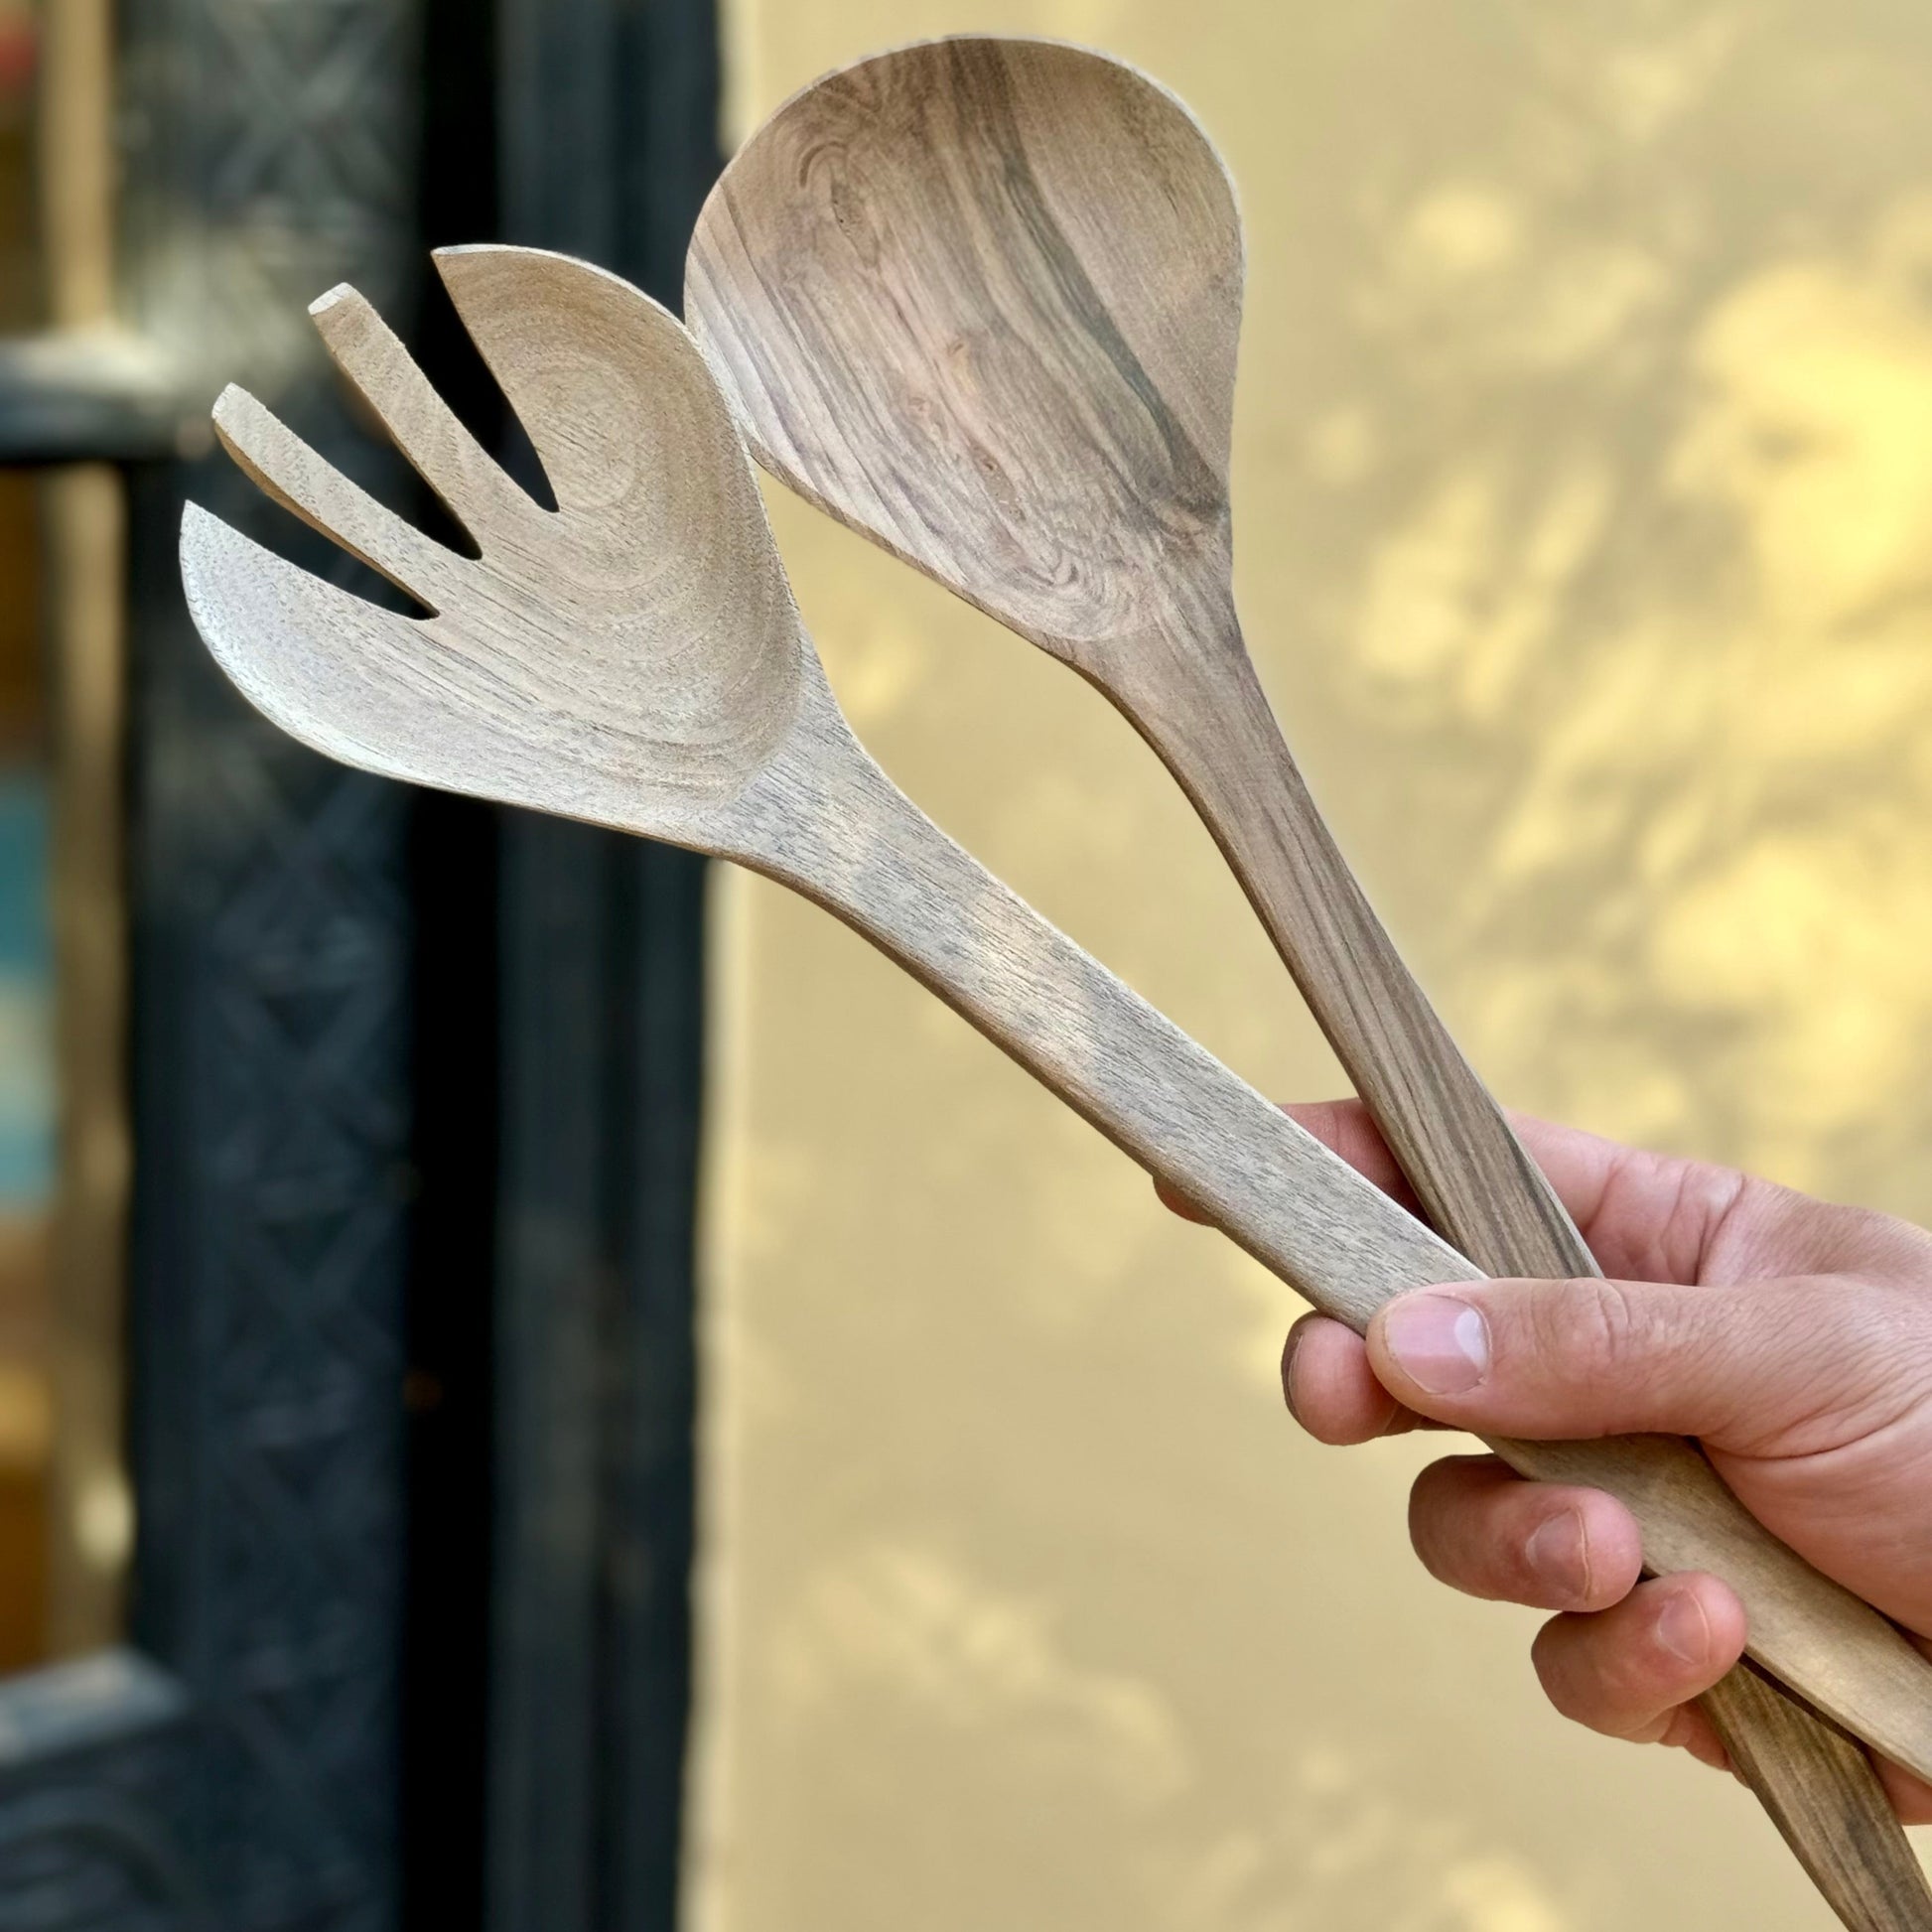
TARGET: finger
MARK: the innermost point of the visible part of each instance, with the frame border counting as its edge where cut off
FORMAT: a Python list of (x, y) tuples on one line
[(1343, 1127), (1651, 1217), (1178, 1203), (1570, 1361), (1910, 1797), (1645, 1216), (1481, 1528), (1331, 1389), (1346, 1128), (1630, 1671)]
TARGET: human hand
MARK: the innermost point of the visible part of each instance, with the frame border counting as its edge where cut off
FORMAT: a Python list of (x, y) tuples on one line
[(1792, 1338)]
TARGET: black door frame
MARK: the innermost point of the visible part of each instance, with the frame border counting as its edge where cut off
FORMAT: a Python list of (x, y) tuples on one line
[(410, 1321), (608, 145)]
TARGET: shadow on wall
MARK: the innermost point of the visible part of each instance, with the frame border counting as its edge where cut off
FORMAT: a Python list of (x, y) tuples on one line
[(1641, 497), (1583, 518)]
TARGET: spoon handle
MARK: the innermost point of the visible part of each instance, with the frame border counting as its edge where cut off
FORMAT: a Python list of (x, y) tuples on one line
[(825, 820), (1210, 721)]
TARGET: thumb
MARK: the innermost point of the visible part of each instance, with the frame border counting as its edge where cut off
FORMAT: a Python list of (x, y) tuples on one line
[(1566, 1360)]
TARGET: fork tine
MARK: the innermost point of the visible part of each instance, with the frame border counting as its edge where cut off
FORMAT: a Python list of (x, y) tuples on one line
[(569, 344), (327, 667), (289, 471), (473, 486)]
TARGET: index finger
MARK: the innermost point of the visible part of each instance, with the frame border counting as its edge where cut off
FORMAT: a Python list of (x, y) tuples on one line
[(1648, 1217)]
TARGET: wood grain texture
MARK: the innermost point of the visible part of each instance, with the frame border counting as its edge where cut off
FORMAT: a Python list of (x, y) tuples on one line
[(979, 298), (1821, 1791), (634, 658)]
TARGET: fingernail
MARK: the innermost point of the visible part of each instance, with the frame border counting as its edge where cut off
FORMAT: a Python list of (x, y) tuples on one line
[(1682, 1629), (1441, 1343), (1288, 1370), (1559, 1555)]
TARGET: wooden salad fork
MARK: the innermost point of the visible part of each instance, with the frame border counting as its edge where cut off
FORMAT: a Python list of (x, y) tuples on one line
[(634, 658), (979, 298)]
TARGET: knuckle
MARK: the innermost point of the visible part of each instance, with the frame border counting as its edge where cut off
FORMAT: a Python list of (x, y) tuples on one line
[(1594, 1326), (1552, 1656), (1429, 1535), (1461, 1527), (1438, 1530), (1589, 1687)]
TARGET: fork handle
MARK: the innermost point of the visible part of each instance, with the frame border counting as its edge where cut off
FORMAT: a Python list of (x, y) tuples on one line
[(824, 819), (1211, 722)]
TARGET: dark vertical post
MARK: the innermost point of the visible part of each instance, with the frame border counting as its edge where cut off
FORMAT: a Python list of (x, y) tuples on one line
[(272, 151), (608, 113), (454, 887), (556, 1261)]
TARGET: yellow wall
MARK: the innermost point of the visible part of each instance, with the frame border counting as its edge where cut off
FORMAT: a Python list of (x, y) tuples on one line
[(1585, 523)]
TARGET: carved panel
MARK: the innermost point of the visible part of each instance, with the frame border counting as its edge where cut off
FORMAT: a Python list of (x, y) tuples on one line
[(272, 151), (276, 155)]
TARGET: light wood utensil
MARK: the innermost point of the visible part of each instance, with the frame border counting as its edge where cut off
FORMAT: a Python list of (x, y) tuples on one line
[(634, 658), (978, 300)]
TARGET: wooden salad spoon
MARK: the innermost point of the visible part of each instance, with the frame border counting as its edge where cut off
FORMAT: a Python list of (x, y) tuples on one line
[(633, 658), (979, 298)]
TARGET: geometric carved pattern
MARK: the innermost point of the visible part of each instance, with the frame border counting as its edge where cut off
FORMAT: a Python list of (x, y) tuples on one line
[(273, 153), (302, 1003), (271, 1249), (299, 160), (276, 963)]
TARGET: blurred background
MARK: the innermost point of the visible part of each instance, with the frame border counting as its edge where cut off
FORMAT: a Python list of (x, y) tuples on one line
[(543, 1389)]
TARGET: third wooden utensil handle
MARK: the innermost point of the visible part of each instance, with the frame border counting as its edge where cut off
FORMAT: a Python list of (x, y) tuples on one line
[(1480, 1188)]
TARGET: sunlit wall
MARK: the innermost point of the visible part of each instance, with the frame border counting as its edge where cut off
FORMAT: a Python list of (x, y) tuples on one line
[(1583, 461)]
